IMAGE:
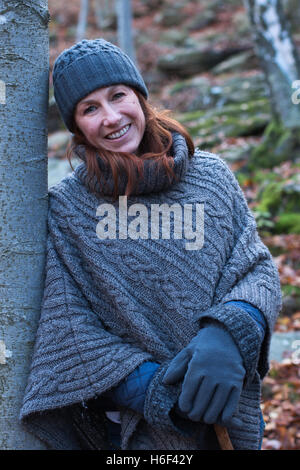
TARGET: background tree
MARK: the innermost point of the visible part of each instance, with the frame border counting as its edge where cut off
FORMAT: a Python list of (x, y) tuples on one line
[(125, 30), (105, 13), (24, 69), (281, 65), (104, 17), (82, 20)]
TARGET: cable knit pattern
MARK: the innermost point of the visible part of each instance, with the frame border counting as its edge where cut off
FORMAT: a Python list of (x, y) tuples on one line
[(109, 305), (81, 49)]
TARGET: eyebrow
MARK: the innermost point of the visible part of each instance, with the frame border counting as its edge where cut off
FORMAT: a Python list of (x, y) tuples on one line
[(88, 101)]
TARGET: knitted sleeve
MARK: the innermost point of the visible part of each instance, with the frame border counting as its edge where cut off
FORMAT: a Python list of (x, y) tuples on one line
[(249, 275), (253, 312)]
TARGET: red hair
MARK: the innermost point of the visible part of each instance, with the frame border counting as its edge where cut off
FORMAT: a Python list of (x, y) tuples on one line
[(156, 145)]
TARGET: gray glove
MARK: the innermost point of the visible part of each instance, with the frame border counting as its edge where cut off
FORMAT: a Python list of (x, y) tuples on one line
[(212, 371)]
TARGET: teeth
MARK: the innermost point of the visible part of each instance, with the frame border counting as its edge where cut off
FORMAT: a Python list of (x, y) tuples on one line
[(116, 135)]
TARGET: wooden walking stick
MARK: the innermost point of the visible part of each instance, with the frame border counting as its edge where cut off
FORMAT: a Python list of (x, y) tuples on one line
[(223, 437)]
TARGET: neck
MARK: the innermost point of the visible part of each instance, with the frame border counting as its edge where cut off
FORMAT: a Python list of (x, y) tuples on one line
[(155, 179)]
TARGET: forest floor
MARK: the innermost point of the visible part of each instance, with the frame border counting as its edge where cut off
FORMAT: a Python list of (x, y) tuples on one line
[(154, 33)]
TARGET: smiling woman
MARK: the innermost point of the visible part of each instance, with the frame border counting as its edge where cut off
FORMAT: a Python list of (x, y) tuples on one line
[(117, 125), (124, 149), (147, 339), (111, 118)]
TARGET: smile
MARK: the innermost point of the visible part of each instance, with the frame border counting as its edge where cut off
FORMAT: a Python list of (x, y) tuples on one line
[(120, 133)]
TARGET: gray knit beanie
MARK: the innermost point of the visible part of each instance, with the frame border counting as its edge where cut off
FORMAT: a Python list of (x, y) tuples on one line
[(87, 66)]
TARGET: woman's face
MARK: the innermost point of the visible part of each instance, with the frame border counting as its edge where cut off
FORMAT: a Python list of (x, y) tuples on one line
[(111, 118)]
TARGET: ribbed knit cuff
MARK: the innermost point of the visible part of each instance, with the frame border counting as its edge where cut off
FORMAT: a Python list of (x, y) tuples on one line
[(244, 331), (160, 400)]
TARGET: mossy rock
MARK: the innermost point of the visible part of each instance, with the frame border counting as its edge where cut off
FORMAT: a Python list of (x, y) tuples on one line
[(291, 200), (278, 145), (277, 200), (270, 197), (294, 291), (290, 299), (170, 15), (236, 110), (263, 176), (174, 37), (190, 61), (201, 20), (240, 62), (225, 91), (288, 223), (196, 82), (230, 121)]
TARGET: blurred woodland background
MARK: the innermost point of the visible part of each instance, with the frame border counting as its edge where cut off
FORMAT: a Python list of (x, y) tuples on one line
[(210, 63)]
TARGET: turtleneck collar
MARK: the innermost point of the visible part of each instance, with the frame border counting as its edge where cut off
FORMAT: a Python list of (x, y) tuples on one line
[(152, 181)]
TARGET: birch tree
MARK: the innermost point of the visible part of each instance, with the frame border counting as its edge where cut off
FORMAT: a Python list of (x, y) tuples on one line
[(82, 20), (125, 30), (281, 65), (24, 71)]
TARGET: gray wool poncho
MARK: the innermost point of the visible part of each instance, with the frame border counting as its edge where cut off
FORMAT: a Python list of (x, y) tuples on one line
[(137, 295)]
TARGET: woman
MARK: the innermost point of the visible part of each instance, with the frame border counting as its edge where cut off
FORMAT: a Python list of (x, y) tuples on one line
[(160, 298)]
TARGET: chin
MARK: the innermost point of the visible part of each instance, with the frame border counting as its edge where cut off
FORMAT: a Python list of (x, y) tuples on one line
[(124, 149)]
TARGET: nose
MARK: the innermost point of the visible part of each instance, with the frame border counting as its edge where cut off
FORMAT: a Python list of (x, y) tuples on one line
[(110, 116)]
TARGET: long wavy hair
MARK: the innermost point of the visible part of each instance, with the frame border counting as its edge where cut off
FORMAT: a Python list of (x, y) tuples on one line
[(156, 144)]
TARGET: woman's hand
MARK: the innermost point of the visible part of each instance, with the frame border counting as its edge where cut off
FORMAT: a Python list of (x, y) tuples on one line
[(212, 371)]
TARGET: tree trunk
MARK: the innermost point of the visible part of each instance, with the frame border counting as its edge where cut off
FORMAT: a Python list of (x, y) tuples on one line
[(82, 20), (24, 71), (125, 36), (278, 56), (105, 13)]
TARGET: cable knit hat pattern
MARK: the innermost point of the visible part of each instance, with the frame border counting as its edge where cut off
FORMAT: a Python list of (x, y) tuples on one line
[(87, 66)]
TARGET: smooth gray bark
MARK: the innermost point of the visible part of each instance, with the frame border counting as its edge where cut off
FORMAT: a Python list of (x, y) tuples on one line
[(278, 57), (125, 30), (82, 20), (24, 69)]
